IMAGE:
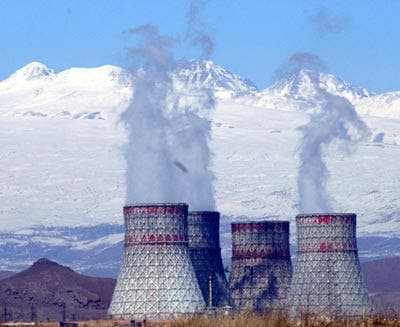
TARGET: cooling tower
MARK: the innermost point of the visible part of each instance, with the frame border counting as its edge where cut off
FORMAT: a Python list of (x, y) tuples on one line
[(157, 279), (205, 253), (261, 267), (327, 277)]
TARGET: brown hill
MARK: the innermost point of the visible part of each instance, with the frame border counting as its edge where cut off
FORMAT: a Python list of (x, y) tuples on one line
[(42, 291), (382, 278)]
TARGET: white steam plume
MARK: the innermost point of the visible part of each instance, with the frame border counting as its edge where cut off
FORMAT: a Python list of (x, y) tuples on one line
[(196, 32), (167, 151), (335, 119), (325, 22)]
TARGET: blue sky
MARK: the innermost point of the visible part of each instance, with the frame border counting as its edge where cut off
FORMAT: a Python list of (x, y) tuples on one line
[(357, 40)]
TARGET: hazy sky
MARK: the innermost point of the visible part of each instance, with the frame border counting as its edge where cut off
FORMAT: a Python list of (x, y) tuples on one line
[(357, 40)]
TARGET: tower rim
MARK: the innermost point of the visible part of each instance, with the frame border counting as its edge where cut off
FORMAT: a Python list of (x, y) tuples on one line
[(197, 212), (158, 204), (317, 214)]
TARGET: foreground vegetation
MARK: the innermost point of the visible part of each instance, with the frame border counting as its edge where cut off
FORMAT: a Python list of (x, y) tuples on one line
[(275, 320), (234, 320)]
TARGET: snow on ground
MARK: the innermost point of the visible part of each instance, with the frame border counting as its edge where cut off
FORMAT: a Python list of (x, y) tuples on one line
[(62, 172), (256, 165)]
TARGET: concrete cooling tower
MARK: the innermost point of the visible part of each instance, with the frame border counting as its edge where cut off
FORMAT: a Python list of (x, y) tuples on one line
[(327, 277), (261, 267), (157, 279), (205, 253)]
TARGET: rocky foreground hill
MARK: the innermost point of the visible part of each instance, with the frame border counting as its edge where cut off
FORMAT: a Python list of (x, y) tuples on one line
[(47, 291)]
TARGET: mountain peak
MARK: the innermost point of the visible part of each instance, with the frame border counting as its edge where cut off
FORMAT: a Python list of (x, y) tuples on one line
[(33, 71), (206, 74), (306, 84), (44, 262)]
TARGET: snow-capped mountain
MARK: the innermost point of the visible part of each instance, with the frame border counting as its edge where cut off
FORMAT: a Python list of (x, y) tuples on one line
[(69, 174), (195, 74), (299, 91), (92, 93), (102, 92), (33, 72), (305, 83), (380, 105)]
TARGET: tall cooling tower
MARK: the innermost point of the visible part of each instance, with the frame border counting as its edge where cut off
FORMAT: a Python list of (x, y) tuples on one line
[(157, 279), (327, 277), (261, 267), (205, 253)]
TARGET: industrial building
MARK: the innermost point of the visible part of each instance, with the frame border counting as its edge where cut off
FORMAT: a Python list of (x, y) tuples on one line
[(261, 268), (157, 279), (327, 278), (205, 253)]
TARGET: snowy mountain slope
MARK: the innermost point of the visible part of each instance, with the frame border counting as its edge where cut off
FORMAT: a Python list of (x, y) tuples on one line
[(381, 105), (57, 171), (303, 85), (71, 172), (104, 92), (33, 72), (91, 93), (256, 165), (194, 74), (299, 91)]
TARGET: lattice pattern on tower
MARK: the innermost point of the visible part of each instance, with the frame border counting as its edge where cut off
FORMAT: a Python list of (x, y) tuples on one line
[(205, 253), (327, 277), (157, 279), (261, 267)]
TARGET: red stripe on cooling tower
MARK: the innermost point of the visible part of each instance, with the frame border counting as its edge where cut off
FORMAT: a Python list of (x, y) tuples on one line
[(326, 247), (241, 254), (325, 220), (153, 240), (152, 210)]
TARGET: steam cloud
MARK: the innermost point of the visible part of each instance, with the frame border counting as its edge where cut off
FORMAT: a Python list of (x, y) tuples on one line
[(167, 152), (196, 31), (298, 61), (335, 119), (326, 23)]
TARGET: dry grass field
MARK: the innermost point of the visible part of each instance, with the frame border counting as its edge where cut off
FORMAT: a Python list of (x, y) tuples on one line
[(234, 320)]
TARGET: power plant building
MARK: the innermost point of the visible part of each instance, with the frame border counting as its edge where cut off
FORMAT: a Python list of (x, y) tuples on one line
[(205, 253), (261, 268), (156, 279), (327, 278)]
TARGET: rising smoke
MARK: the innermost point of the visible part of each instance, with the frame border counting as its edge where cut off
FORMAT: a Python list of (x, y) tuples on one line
[(299, 61), (335, 120), (167, 152), (326, 23), (196, 32)]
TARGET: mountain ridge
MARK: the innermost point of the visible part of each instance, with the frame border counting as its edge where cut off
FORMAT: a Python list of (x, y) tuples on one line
[(297, 91)]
